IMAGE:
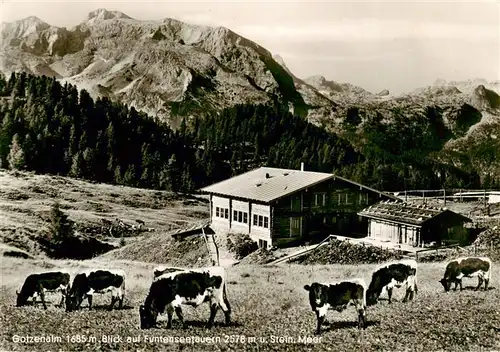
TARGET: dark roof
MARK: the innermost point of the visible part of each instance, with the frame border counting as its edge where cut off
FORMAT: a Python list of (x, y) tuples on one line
[(405, 213), (267, 184)]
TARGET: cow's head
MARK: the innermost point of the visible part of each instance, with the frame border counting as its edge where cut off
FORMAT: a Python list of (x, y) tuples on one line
[(71, 301), (215, 281), (446, 284), (371, 297), (21, 299), (148, 316), (318, 295)]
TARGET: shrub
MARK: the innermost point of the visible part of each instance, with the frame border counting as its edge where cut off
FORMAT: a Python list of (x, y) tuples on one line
[(241, 245)]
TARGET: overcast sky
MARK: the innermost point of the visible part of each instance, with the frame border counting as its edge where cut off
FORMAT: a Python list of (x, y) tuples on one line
[(395, 45)]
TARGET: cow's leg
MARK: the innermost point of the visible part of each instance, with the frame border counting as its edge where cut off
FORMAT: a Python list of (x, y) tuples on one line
[(178, 311), (320, 318), (409, 288), (170, 313), (61, 303), (120, 300), (89, 299), (42, 298), (226, 307), (460, 282), (113, 300), (213, 311), (389, 293), (361, 314), (456, 284), (486, 282), (479, 282)]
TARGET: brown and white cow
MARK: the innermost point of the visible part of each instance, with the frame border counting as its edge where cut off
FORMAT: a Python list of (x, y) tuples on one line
[(390, 275), (37, 284), (101, 281), (467, 267), (337, 296), (185, 287)]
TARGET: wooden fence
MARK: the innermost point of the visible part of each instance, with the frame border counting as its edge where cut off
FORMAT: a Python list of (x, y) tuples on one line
[(487, 196)]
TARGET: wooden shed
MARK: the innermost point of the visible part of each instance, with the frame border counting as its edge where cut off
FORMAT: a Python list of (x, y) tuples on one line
[(413, 224)]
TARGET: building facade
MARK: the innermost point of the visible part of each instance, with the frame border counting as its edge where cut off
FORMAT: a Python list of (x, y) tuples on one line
[(279, 206), (413, 224)]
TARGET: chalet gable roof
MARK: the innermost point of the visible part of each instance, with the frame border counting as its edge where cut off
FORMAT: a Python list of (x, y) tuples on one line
[(267, 184), (405, 213)]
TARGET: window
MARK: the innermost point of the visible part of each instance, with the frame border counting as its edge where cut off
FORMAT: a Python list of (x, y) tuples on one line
[(217, 212), (262, 244), (340, 198), (320, 199), (235, 215), (240, 216), (348, 199), (226, 213), (261, 221), (245, 218)]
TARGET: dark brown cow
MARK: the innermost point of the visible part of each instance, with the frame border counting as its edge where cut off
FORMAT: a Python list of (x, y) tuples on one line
[(38, 284)]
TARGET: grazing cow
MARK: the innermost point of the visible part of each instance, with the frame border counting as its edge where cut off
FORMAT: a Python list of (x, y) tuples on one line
[(189, 287), (392, 275), (467, 267), (87, 283), (337, 296), (38, 284)]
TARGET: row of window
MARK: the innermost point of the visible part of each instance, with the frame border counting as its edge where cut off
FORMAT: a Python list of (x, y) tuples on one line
[(222, 213), (242, 217), (320, 199), (261, 221)]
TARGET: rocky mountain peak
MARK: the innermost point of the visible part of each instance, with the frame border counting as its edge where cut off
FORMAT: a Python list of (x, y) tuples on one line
[(103, 14), (24, 27)]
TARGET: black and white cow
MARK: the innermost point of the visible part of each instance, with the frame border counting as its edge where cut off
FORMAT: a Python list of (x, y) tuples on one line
[(390, 275), (337, 296), (37, 284), (185, 287), (101, 281), (467, 267)]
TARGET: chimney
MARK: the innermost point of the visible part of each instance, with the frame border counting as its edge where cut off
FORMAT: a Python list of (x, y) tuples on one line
[(301, 166)]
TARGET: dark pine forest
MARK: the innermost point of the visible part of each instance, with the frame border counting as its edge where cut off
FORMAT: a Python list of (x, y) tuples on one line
[(51, 128)]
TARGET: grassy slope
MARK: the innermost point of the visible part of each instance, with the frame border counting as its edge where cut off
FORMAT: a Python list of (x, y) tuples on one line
[(25, 201), (266, 301)]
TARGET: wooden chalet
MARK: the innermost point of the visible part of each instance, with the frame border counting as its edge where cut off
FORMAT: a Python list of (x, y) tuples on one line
[(279, 207)]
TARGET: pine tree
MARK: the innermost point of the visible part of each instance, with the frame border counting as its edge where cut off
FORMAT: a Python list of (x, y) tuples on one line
[(60, 230), (76, 169), (16, 158), (130, 178), (118, 175)]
